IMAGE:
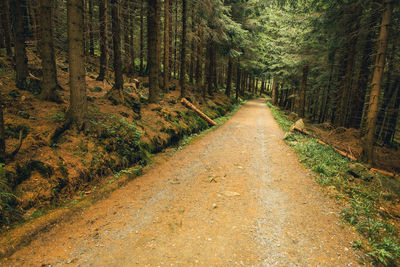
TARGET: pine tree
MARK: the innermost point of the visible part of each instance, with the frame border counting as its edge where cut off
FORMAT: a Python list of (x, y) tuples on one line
[(103, 39), (382, 43), (153, 33), (77, 111), (49, 81)]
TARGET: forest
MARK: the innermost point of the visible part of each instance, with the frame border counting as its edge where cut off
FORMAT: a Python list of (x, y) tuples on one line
[(93, 88)]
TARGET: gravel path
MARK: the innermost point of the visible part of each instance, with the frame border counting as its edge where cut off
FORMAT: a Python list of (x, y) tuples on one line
[(236, 196)]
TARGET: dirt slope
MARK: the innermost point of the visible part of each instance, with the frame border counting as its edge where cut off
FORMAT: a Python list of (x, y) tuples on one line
[(186, 210)]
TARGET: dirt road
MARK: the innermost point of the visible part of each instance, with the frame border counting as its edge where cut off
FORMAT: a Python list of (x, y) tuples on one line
[(236, 196)]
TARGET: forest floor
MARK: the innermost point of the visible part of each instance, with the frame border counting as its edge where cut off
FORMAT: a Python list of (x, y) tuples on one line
[(236, 196)]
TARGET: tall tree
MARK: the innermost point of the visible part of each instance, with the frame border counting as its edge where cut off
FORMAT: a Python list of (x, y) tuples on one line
[(5, 22), (183, 49), (199, 62), (141, 56), (21, 59), (131, 42), (274, 92), (116, 29), (103, 39), (372, 114), (153, 32), (229, 77), (302, 98), (49, 82), (166, 45), (77, 111), (91, 32)]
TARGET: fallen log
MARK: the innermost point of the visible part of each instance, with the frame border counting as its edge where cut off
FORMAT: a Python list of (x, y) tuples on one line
[(187, 104), (347, 155), (301, 131), (341, 152), (383, 172)]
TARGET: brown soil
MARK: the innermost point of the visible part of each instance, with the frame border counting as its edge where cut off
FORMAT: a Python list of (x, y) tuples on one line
[(237, 196), (79, 161)]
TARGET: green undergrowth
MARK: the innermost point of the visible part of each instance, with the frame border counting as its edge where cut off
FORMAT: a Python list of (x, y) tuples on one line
[(363, 200)]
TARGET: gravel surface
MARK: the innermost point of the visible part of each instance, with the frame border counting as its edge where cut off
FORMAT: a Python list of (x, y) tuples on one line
[(236, 196)]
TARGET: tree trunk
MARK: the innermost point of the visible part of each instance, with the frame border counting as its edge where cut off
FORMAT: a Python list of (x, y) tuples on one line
[(229, 78), (199, 62), (274, 92), (141, 37), (171, 51), (382, 43), (362, 79), (2, 133), (77, 111), (238, 81), (49, 82), (393, 115), (103, 39), (209, 68), (152, 39), (326, 99), (183, 50), (125, 19), (166, 45), (302, 98), (5, 21), (116, 28), (131, 42), (21, 60), (193, 48), (176, 40), (91, 33)]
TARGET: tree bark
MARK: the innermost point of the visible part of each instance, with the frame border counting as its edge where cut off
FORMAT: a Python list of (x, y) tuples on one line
[(2, 133), (193, 47), (141, 37), (183, 49), (238, 81), (131, 42), (153, 59), (274, 92), (302, 98), (103, 39), (49, 81), (229, 77), (77, 111), (176, 40), (116, 28), (21, 60), (382, 43), (360, 91), (91, 33), (199, 62), (393, 114), (166, 45), (209, 67), (5, 21)]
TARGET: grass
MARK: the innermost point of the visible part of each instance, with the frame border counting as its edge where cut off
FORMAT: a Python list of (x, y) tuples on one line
[(363, 200)]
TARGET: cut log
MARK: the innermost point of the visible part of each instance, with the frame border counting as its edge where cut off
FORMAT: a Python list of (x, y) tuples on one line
[(383, 172), (301, 131), (187, 104), (344, 153)]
